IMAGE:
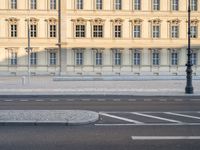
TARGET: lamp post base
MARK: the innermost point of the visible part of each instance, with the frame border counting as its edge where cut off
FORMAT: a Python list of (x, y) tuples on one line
[(189, 90)]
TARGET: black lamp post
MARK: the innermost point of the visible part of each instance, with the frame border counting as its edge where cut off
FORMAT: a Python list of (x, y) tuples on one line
[(59, 33), (189, 87)]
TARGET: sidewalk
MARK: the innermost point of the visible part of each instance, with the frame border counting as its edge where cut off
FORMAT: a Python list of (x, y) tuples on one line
[(47, 86)]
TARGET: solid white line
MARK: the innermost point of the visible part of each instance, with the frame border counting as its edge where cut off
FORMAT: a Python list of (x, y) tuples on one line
[(188, 116), (155, 117), (151, 124), (121, 118), (70, 99), (165, 137), (195, 99)]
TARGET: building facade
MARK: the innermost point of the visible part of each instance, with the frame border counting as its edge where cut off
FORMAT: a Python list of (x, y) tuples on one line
[(98, 37)]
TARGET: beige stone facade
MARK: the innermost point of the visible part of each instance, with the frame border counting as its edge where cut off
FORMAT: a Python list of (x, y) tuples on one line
[(126, 42)]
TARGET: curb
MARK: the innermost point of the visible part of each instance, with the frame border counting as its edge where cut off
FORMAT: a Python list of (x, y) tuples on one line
[(91, 117)]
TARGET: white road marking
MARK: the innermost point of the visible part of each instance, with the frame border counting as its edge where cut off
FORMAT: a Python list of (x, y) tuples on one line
[(133, 100), (121, 118), (147, 100), (85, 99), (101, 99), (116, 99), (70, 99), (54, 100), (178, 100), (163, 100), (182, 115), (195, 99), (165, 137), (151, 124), (155, 117), (39, 100), (8, 100), (23, 100)]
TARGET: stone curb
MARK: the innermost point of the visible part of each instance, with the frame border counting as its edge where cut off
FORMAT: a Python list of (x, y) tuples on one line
[(93, 118)]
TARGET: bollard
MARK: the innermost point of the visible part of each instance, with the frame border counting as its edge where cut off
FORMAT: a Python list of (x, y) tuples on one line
[(23, 80)]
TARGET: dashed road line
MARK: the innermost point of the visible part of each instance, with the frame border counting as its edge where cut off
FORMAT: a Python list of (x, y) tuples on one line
[(116, 99), (121, 118), (39, 100), (86, 99), (156, 117), (163, 100), (8, 100), (147, 100), (182, 115), (195, 99), (101, 99), (23, 100), (165, 137), (70, 99), (54, 100), (132, 100), (178, 100)]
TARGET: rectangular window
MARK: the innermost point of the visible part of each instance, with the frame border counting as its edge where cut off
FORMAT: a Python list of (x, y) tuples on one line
[(156, 5), (33, 58), (117, 58), (175, 31), (97, 30), (13, 30), (52, 30), (193, 31), (13, 4), (118, 4), (175, 5), (33, 30), (194, 58), (99, 4), (53, 4), (98, 58), (155, 58), (33, 4), (137, 4), (52, 58), (194, 5), (79, 58), (13, 59), (79, 4), (117, 31), (174, 58), (80, 30), (156, 31), (137, 31), (137, 58)]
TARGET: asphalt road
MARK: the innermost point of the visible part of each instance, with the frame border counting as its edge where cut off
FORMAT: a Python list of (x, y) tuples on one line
[(118, 129)]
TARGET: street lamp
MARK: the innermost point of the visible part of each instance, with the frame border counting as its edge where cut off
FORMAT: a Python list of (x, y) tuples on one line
[(28, 49), (59, 33), (189, 87)]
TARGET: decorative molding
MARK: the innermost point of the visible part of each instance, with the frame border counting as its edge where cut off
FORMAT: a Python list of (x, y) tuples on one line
[(79, 21), (174, 21), (12, 20), (136, 21), (98, 21), (155, 21), (52, 20), (116, 21)]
